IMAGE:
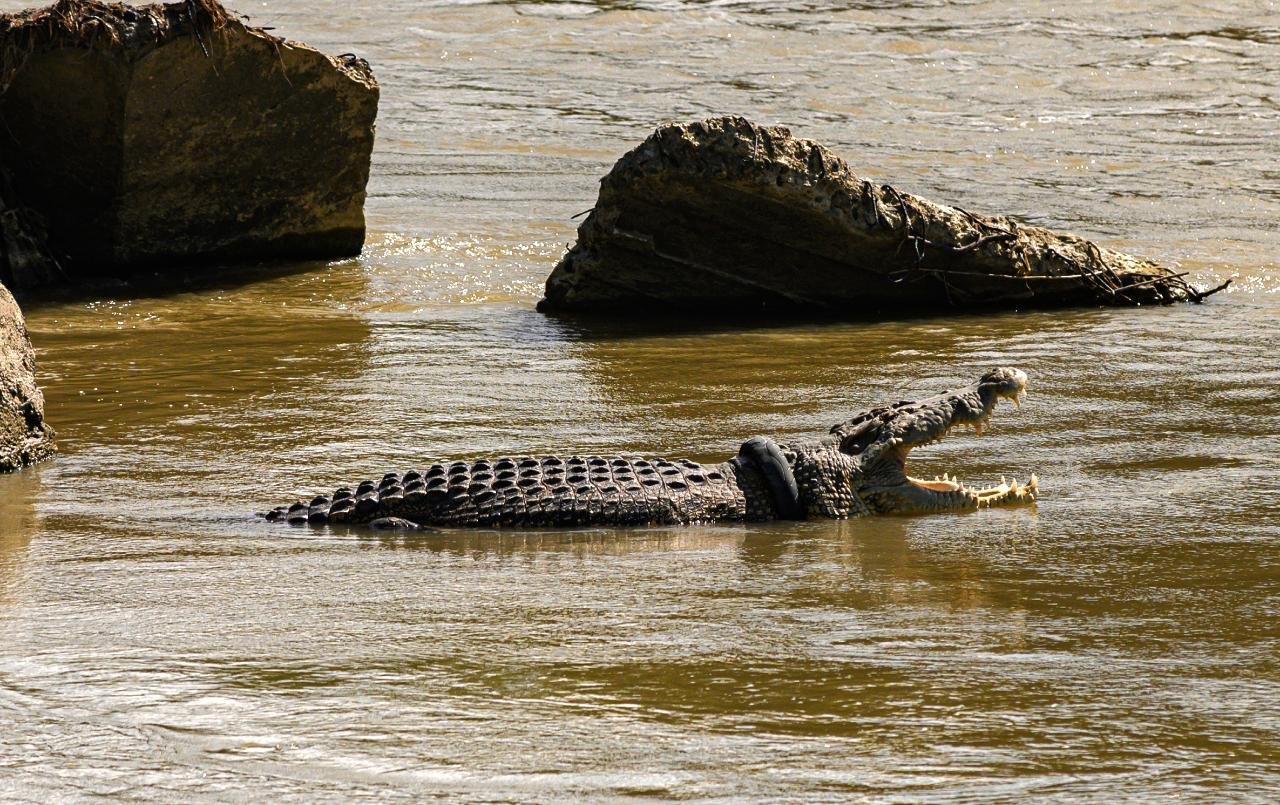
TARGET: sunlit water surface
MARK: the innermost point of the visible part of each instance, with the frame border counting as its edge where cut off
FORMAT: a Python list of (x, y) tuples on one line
[(1120, 640)]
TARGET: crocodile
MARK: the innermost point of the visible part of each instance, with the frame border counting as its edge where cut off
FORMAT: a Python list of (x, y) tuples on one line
[(857, 469)]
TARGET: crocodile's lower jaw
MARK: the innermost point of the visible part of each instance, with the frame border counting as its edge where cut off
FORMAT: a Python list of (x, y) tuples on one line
[(1006, 493)]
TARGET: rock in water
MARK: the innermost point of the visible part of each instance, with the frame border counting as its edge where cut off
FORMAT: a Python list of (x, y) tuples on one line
[(727, 214), (25, 259), (24, 438), (156, 134)]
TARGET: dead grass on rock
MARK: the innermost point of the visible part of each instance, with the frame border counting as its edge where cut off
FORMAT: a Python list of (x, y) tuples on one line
[(91, 25)]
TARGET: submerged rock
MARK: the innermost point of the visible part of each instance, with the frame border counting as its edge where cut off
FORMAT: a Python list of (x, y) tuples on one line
[(727, 214), (169, 133), (24, 437)]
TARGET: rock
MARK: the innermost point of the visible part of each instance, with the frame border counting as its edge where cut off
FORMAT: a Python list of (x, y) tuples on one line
[(25, 259), (24, 437), (725, 214), (155, 134)]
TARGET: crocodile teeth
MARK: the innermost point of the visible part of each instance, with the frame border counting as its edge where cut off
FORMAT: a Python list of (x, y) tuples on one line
[(1008, 492)]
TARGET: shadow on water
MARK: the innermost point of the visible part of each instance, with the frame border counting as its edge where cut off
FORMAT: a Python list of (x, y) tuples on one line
[(153, 284), (209, 360), (173, 395), (609, 325), (901, 551)]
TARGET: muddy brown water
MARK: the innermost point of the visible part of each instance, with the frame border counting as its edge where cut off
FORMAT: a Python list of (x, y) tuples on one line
[(157, 642)]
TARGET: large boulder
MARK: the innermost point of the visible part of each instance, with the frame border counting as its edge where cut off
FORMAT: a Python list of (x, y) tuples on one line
[(726, 214), (171, 133), (24, 437)]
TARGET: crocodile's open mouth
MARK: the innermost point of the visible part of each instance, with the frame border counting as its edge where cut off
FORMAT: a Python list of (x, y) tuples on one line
[(1007, 492), (890, 488)]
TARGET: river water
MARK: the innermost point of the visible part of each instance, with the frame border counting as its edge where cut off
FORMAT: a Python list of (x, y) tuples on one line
[(158, 642)]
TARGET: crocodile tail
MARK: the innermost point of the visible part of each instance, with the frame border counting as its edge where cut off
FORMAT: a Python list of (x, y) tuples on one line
[(340, 507), (366, 503)]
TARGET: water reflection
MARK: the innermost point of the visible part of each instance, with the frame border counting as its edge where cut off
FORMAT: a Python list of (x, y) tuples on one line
[(171, 395), (18, 494)]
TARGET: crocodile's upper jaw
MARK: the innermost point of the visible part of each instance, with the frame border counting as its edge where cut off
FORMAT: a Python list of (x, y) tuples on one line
[(885, 486)]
